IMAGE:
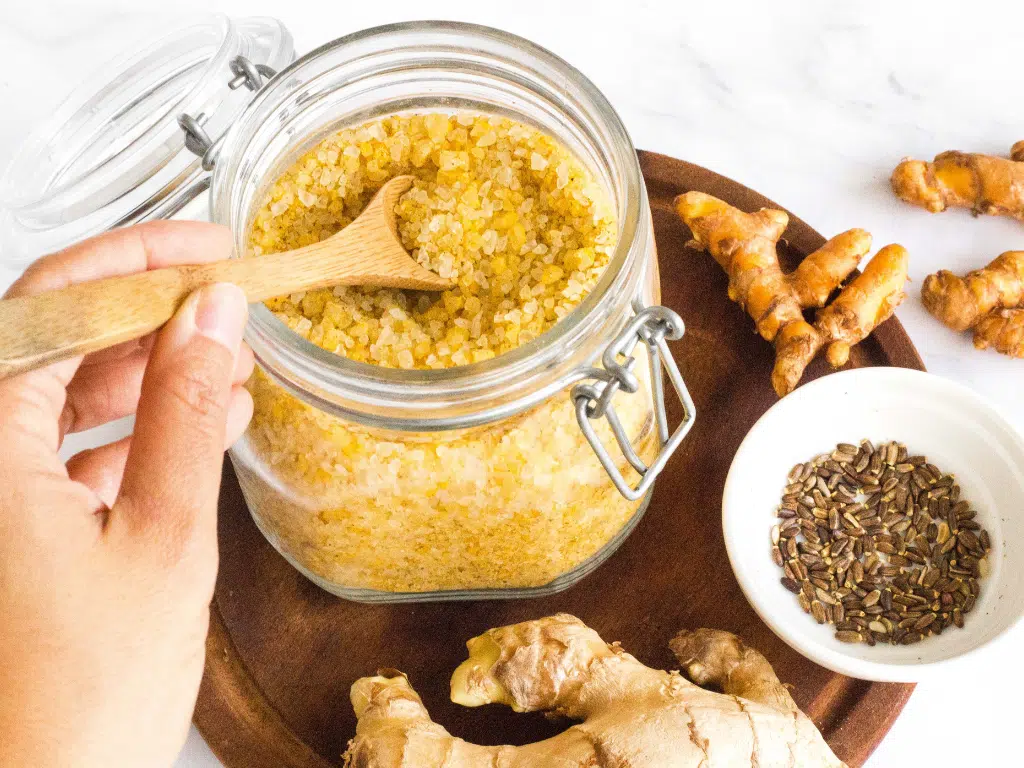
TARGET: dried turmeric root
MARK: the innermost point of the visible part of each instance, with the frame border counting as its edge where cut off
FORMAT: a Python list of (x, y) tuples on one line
[(860, 308), (983, 183), (631, 715), (1003, 330), (744, 245), (989, 300), (961, 302)]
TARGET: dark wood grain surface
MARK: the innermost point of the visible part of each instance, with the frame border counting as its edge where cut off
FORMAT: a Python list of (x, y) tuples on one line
[(282, 653)]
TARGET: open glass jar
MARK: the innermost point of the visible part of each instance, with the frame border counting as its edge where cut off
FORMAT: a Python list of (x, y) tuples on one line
[(510, 477)]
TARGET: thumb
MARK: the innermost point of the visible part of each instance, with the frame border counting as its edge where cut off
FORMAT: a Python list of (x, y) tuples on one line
[(172, 475)]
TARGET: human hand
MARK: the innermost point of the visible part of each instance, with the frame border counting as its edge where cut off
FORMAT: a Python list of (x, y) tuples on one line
[(107, 565)]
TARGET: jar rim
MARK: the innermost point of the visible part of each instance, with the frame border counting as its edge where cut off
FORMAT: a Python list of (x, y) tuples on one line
[(486, 391)]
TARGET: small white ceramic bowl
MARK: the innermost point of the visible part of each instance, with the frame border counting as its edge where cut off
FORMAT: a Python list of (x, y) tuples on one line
[(957, 430)]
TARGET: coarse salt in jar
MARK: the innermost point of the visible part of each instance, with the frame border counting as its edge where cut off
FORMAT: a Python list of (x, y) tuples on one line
[(499, 439)]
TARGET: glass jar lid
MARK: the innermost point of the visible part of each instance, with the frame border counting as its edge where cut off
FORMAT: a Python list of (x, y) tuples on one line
[(114, 153)]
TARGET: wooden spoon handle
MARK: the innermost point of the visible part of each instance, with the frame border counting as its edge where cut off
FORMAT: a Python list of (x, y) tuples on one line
[(42, 329)]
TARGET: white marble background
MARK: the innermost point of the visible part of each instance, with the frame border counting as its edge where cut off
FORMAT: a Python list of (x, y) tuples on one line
[(811, 104)]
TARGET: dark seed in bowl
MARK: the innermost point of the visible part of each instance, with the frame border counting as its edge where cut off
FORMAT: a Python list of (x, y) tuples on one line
[(880, 544)]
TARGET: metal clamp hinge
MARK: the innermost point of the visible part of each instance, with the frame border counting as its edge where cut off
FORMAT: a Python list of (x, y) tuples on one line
[(197, 140), (654, 327)]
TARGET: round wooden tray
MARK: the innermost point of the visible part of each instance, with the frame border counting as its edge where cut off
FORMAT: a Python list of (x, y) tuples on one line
[(282, 653)]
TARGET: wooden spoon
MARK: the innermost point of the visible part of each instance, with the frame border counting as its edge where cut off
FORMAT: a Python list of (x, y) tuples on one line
[(39, 330)]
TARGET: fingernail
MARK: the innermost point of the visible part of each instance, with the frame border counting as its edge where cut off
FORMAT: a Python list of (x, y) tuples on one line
[(221, 313)]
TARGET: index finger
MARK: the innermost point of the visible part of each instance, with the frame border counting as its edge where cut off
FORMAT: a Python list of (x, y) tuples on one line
[(125, 251)]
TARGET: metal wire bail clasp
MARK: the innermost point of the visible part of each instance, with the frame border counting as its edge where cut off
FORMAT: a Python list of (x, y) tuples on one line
[(653, 326), (197, 140)]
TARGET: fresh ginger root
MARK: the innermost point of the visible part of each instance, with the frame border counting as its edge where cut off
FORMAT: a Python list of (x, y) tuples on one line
[(744, 245), (989, 300), (983, 183), (631, 715)]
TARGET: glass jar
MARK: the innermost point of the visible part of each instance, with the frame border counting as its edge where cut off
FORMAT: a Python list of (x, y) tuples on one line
[(386, 484), (511, 477)]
